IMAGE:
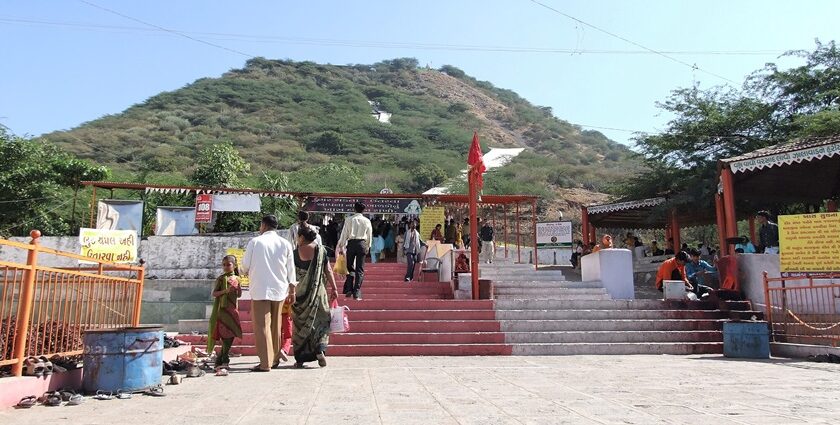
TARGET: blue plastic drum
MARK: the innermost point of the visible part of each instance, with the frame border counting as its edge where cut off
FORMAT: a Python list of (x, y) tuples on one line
[(128, 359)]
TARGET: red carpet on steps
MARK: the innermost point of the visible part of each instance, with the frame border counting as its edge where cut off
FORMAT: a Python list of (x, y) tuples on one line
[(397, 318)]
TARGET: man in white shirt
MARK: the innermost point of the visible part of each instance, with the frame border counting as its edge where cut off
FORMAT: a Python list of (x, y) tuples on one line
[(269, 263), (356, 239), (412, 249)]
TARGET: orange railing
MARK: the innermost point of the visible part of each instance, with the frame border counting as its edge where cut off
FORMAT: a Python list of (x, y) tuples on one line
[(804, 308), (44, 310)]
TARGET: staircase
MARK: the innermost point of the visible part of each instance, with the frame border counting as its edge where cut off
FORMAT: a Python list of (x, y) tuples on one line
[(541, 313)]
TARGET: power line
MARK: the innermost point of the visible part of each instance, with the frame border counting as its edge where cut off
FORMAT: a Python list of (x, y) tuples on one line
[(35, 217), (218, 46), (15, 201), (614, 35), (386, 44)]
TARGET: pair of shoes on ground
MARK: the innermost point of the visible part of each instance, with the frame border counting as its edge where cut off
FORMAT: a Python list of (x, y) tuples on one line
[(322, 361), (40, 367)]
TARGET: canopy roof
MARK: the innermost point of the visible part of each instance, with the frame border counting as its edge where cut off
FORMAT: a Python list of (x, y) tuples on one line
[(448, 198), (803, 170), (651, 213)]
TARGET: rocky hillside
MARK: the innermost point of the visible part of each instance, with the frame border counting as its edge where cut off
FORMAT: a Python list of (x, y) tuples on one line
[(317, 125)]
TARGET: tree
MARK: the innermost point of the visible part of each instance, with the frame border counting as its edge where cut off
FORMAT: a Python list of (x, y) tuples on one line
[(426, 176), (330, 143), (220, 165), (73, 171)]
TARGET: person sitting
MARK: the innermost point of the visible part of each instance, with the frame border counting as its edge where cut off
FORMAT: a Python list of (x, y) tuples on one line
[(462, 263), (673, 269), (669, 247), (704, 250), (629, 241), (606, 243), (436, 235), (637, 242), (745, 246), (655, 251), (700, 274)]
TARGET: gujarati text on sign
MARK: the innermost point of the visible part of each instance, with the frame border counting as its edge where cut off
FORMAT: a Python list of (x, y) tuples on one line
[(113, 246), (808, 242)]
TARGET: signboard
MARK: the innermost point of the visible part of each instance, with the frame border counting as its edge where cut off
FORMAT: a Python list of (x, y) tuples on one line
[(372, 206), (203, 208), (113, 214), (808, 242), (429, 218), (114, 246), (554, 234), (175, 221), (239, 253)]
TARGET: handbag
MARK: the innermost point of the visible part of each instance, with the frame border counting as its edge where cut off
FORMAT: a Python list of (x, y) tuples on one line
[(339, 322), (340, 267)]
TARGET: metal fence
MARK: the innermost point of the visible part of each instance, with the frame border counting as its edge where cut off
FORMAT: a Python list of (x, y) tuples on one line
[(45, 310), (804, 309)]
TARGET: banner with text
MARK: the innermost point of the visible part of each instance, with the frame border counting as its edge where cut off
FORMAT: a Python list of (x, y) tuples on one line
[(239, 254), (808, 242), (429, 218), (204, 208), (554, 234), (372, 206), (115, 246)]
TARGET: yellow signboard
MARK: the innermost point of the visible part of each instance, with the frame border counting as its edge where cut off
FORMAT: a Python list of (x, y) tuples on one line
[(113, 246), (239, 254), (429, 218), (808, 242)]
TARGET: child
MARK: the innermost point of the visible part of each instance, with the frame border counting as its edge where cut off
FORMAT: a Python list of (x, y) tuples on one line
[(378, 246), (224, 320)]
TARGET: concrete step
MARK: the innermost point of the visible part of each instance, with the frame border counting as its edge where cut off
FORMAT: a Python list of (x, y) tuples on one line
[(610, 325), (416, 338), (419, 304), (553, 296), (672, 348), (538, 284), (430, 326), (612, 337), (531, 304), (421, 350), (595, 314), (511, 290), (372, 315)]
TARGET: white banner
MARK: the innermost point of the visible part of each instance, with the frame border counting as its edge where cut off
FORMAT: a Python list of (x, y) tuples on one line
[(175, 221), (236, 202), (554, 234), (119, 215)]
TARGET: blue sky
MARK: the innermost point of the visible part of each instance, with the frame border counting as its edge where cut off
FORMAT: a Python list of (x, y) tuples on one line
[(67, 62)]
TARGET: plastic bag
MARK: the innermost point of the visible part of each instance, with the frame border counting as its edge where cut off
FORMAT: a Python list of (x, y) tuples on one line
[(339, 322), (340, 267)]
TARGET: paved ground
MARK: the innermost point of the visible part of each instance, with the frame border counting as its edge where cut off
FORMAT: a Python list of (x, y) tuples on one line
[(488, 390)]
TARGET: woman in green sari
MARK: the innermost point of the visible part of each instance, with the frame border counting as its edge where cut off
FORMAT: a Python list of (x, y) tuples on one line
[(311, 310)]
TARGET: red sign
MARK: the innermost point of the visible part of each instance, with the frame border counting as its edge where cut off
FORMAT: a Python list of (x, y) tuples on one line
[(203, 208)]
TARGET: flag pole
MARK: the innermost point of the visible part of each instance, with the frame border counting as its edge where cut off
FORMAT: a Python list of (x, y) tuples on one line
[(474, 241)]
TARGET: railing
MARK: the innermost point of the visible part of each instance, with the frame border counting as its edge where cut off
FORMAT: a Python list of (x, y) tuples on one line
[(804, 309), (44, 310)]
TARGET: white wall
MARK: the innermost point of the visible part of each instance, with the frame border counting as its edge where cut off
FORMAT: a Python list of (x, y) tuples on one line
[(613, 268)]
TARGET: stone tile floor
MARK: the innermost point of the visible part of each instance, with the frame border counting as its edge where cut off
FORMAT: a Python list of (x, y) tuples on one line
[(484, 390)]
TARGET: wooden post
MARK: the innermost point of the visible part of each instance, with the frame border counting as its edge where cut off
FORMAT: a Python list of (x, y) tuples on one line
[(584, 226), (534, 228), (675, 231), (92, 207), (27, 297), (721, 223), (505, 212), (729, 203), (518, 232), (475, 242)]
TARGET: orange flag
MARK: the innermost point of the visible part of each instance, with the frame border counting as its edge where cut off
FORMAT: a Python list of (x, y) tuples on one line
[(476, 161)]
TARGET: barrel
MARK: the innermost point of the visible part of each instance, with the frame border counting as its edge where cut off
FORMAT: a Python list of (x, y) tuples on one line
[(128, 359)]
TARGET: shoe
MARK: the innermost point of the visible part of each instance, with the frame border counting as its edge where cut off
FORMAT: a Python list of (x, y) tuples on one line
[(322, 359), (348, 295), (407, 280), (357, 295)]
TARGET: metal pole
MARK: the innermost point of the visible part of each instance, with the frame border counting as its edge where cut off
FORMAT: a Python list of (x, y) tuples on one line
[(534, 229), (721, 223), (27, 297), (138, 300)]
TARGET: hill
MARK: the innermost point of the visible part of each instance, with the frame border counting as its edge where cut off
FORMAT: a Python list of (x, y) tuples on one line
[(314, 123)]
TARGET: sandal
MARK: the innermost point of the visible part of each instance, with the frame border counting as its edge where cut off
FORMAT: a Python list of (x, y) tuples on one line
[(156, 391), (258, 369), (222, 372), (300, 365), (48, 366), (195, 372), (322, 359), (75, 400), (123, 395), (174, 379), (102, 395), (27, 402), (33, 367), (51, 398)]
